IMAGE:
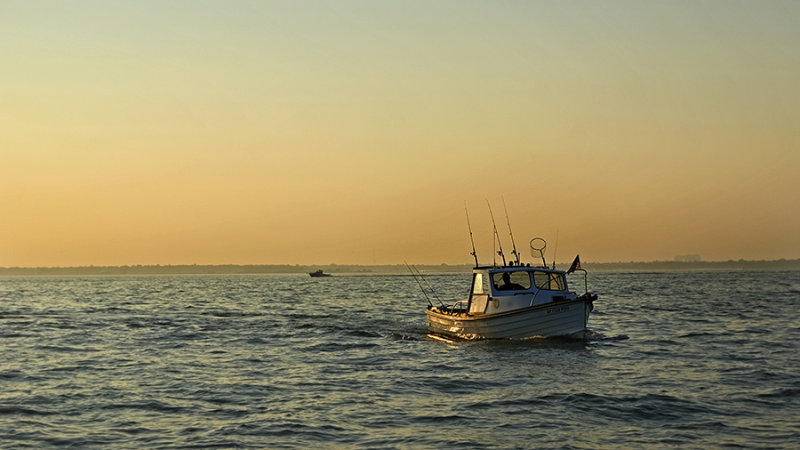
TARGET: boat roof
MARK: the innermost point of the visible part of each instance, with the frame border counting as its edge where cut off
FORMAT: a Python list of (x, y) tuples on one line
[(515, 268)]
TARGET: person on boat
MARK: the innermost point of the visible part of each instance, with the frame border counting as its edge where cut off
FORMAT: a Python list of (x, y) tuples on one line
[(508, 285)]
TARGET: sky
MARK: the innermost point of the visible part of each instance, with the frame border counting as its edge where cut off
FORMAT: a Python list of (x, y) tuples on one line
[(361, 132)]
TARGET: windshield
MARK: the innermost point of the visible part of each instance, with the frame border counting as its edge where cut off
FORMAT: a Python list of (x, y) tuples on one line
[(511, 281), (549, 281)]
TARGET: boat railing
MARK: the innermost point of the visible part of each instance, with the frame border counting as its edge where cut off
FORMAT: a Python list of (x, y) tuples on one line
[(460, 307), (585, 280), (533, 299)]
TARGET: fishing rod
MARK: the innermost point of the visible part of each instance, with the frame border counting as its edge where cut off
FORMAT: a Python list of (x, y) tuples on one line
[(469, 227), (419, 284), (513, 244), (496, 236), (417, 276), (433, 291)]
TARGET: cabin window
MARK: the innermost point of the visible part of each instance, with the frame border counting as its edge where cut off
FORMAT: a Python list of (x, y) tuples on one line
[(478, 284), (511, 281), (549, 281)]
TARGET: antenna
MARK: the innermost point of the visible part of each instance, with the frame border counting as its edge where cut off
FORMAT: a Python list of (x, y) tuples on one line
[(555, 250), (471, 240), (496, 236), (513, 244)]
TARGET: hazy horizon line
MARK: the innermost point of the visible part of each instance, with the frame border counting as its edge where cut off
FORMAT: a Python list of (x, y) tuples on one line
[(400, 264)]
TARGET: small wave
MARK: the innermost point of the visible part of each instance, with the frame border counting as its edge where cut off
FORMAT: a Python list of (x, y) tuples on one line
[(695, 334), (364, 333), (150, 405), (349, 329), (338, 347), (23, 410), (648, 406), (400, 336), (230, 412), (301, 316), (232, 314), (16, 335), (758, 331), (304, 432), (594, 336), (507, 403), (452, 419), (662, 342), (12, 375), (782, 393), (702, 425), (4, 316), (66, 349), (71, 368)]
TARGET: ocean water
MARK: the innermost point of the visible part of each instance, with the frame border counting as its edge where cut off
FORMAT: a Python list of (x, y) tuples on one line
[(696, 359)]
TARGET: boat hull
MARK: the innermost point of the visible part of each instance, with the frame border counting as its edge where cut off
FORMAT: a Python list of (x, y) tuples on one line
[(565, 318)]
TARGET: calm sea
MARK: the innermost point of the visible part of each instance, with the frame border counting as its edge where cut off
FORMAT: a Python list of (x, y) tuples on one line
[(696, 359)]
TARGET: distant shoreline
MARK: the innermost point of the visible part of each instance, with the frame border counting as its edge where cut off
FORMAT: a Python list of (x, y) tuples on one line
[(223, 269)]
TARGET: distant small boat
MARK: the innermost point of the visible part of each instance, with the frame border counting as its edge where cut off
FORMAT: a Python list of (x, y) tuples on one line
[(319, 273)]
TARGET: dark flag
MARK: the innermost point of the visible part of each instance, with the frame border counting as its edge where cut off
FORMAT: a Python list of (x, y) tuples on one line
[(576, 265)]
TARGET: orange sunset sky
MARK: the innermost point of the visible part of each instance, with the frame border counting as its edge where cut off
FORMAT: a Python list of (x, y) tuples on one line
[(354, 132)]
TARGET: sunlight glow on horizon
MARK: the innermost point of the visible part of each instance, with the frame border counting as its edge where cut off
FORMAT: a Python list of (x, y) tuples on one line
[(353, 132)]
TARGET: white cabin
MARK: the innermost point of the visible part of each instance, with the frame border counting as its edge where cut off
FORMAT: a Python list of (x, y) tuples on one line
[(497, 290)]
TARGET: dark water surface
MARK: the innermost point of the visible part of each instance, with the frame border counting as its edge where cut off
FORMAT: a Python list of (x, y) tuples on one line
[(673, 359)]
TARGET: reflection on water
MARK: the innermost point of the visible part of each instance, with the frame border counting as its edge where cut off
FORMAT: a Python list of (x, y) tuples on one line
[(689, 359)]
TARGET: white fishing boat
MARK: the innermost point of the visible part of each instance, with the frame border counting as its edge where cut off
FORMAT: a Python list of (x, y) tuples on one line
[(515, 301)]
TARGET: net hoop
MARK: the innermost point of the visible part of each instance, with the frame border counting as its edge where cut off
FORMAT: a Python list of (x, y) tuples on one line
[(537, 247)]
